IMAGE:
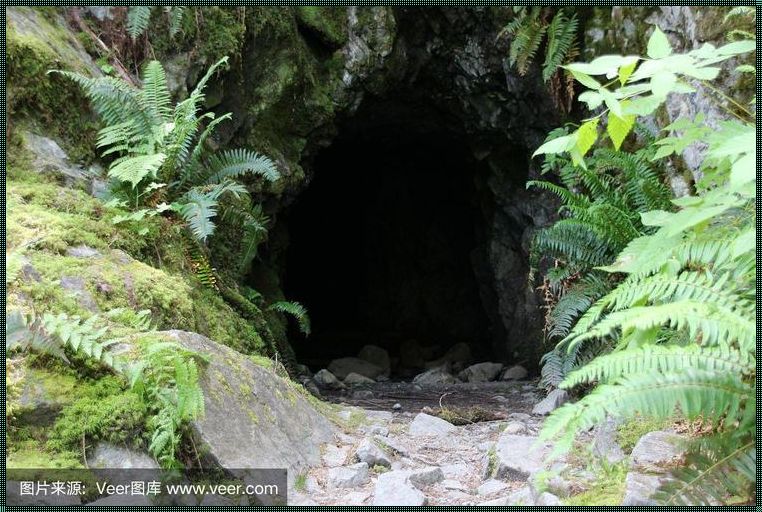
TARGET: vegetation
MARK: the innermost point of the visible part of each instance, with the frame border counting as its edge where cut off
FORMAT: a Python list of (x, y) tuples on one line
[(681, 320), (162, 155)]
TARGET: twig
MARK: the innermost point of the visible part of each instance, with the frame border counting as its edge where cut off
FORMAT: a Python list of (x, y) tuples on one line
[(84, 456), (75, 16)]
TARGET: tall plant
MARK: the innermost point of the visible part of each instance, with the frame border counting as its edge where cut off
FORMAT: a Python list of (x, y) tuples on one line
[(682, 319), (161, 153)]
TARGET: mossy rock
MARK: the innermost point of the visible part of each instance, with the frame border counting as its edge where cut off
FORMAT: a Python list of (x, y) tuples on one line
[(328, 23)]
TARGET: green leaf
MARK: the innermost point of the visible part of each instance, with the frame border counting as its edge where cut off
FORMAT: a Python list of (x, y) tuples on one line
[(133, 170), (625, 71), (611, 102), (643, 106), (618, 128), (592, 98), (558, 145), (658, 45), (708, 73), (662, 83), (604, 65), (586, 80), (737, 48), (744, 170), (587, 134)]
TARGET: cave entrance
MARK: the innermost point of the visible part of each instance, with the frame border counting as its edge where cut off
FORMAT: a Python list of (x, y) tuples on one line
[(382, 241)]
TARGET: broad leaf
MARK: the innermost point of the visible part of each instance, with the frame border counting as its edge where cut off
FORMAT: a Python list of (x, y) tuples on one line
[(658, 45)]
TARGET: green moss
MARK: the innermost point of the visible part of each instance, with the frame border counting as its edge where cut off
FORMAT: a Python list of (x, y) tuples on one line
[(102, 411), (329, 23), (608, 489), (54, 102), (300, 482), (31, 454), (491, 461), (629, 432)]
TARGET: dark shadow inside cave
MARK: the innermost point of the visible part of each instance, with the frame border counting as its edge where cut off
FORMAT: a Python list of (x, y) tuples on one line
[(383, 239)]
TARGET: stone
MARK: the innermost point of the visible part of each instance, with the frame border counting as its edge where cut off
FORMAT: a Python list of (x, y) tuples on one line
[(456, 470), (397, 406), (547, 499), (458, 353), (550, 403), (76, 287), (453, 485), (427, 425), (82, 251), (303, 370), (346, 477), (267, 424), (326, 379), (604, 444), (334, 456), (362, 394), (394, 488), (515, 427), (370, 453), (491, 486), (42, 395), (354, 498), (656, 450), (519, 456), (639, 488), (436, 376), (426, 476), (523, 496), (516, 372), (107, 455), (481, 372), (346, 365), (49, 158), (377, 356), (355, 379), (394, 444)]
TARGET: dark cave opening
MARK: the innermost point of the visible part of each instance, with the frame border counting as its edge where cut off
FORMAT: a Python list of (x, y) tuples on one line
[(382, 242)]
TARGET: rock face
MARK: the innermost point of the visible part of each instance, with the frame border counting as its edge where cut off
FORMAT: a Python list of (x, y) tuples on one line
[(49, 158), (519, 456), (550, 403), (106, 455), (481, 372), (426, 425), (346, 365), (254, 418)]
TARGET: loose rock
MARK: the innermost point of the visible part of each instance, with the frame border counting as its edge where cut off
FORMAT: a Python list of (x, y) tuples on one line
[(426, 425), (426, 476), (436, 376), (394, 488), (550, 403), (517, 372), (491, 487), (355, 379), (377, 356), (481, 372), (348, 476), (370, 453), (341, 368), (326, 379), (518, 456)]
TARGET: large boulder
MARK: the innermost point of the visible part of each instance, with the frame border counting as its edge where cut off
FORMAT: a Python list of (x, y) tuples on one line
[(348, 476), (481, 372), (436, 376), (377, 356), (516, 372), (370, 453), (355, 379), (346, 365), (326, 379), (254, 418)]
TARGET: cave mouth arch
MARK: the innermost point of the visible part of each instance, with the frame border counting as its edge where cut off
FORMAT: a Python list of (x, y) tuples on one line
[(384, 241)]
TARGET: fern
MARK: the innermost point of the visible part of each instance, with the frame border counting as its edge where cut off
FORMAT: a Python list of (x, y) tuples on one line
[(530, 28), (153, 142), (296, 310), (139, 17)]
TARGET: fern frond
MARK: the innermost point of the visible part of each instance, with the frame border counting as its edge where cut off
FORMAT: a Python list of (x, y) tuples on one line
[(562, 32), (297, 311), (135, 169), (155, 92), (176, 14), (138, 18), (661, 359), (198, 210), (696, 393), (237, 162)]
